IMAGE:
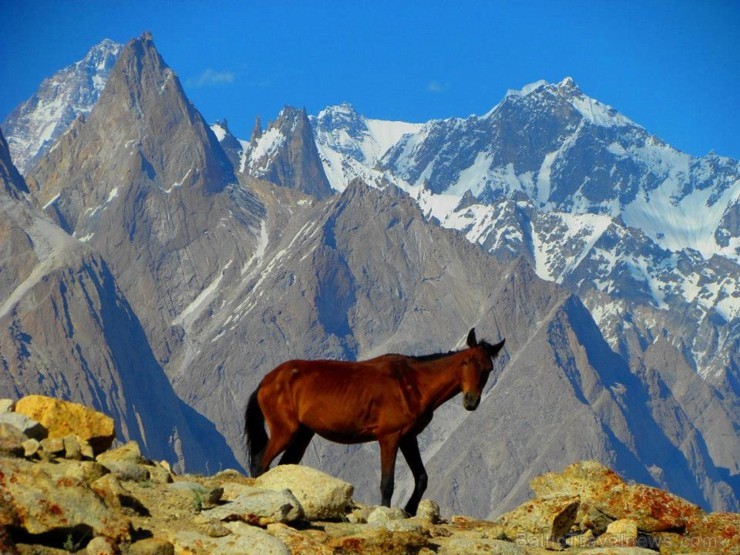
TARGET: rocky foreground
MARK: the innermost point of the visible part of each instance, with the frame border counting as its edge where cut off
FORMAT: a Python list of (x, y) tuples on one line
[(64, 489)]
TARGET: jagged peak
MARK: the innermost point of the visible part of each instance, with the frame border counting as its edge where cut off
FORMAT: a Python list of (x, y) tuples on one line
[(102, 54), (345, 109), (527, 89), (567, 90), (568, 84)]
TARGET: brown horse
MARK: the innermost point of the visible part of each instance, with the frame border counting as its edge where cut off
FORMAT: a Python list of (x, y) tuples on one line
[(389, 399)]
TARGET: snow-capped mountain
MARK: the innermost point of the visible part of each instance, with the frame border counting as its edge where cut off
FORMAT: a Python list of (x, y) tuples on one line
[(350, 144), (593, 201), (33, 127), (569, 153)]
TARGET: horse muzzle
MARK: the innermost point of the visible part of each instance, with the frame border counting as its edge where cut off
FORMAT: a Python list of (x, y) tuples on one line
[(471, 401)]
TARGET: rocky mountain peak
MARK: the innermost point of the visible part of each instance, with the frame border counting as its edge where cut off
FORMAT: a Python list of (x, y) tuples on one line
[(256, 131), (142, 123), (145, 174), (341, 116), (286, 155)]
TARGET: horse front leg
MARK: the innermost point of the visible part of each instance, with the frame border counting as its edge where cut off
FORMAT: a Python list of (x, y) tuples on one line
[(410, 450), (388, 452)]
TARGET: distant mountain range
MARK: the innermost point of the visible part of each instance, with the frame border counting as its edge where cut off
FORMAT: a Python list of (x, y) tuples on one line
[(607, 259)]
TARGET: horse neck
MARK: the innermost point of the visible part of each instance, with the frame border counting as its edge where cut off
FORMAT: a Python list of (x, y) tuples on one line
[(439, 380)]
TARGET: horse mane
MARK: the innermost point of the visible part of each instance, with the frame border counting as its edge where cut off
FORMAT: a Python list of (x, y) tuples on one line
[(431, 357), (437, 356)]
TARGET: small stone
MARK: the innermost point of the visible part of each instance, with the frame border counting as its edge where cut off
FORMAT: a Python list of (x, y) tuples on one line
[(381, 515), (6, 405), (30, 427), (322, 497), (11, 441), (72, 449), (53, 446), (581, 540), (159, 475), (86, 450), (359, 514), (428, 510), (101, 546), (406, 525), (127, 471), (261, 507), (31, 447), (217, 530), (110, 489), (151, 546), (129, 452)]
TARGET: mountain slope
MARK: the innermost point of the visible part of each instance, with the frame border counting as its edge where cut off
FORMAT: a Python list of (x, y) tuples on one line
[(34, 126), (68, 331)]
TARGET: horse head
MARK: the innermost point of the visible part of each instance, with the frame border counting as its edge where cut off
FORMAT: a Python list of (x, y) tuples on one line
[(476, 368)]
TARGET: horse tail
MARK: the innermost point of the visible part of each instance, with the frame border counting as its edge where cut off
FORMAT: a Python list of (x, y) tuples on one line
[(254, 429)]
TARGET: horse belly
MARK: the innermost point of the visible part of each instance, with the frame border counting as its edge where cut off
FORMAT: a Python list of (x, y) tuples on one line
[(340, 424)]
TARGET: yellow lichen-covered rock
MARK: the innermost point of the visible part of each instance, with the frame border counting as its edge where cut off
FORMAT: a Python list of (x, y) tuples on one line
[(653, 509), (541, 520), (64, 418), (587, 479)]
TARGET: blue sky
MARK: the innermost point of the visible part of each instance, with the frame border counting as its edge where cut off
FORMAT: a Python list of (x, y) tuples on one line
[(671, 66)]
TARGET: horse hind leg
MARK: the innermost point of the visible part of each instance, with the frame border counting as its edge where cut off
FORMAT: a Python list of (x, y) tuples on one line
[(282, 433), (297, 446)]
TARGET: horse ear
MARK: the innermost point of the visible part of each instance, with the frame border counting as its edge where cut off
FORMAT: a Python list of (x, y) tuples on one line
[(494, 349), (472, 341)]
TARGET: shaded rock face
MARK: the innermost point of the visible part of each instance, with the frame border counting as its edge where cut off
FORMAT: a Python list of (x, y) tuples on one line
[(12, 183)]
